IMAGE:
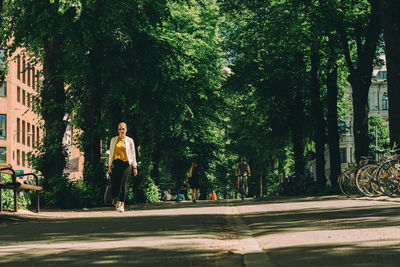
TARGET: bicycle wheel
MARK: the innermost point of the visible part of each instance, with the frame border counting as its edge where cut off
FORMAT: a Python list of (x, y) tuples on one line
[(240, 186), (387, 176), (374, 182), (363, 179), (347, 183)]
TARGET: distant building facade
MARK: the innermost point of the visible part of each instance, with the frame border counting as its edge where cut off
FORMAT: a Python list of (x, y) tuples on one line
[(20, 127)]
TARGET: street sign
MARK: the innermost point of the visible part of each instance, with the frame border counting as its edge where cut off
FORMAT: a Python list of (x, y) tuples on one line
[(19, 172)]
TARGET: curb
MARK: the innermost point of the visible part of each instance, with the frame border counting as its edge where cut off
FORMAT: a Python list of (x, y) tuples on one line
[(253, 254)]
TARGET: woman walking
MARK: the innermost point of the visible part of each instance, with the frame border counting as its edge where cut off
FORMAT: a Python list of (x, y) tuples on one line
[(194, 179), (121, 160)]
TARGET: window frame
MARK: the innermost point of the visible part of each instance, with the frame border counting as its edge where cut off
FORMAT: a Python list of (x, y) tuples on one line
[(385, 101), (5, 154), (18, 94), (23, 97), (18, 157), (23, 140), (343, 155), (5, 126), (5, 89)]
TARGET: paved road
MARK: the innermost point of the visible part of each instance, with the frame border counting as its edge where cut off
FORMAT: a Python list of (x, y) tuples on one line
[(309, 231)]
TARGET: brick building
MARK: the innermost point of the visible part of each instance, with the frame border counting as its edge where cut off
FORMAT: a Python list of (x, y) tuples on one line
[(19, 126)]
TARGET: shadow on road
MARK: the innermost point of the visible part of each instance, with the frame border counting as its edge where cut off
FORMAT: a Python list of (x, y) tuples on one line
[(350, 254), (187, 234), (314, 219)]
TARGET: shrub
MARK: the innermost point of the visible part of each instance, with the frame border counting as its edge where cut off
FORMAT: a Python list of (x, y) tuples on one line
[(7, 196), (147, 191)]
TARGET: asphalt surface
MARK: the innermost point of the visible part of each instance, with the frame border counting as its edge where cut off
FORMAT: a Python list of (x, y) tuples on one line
[(295, 231)]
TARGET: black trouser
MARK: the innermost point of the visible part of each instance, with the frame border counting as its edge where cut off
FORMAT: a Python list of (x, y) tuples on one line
[(121, 172)]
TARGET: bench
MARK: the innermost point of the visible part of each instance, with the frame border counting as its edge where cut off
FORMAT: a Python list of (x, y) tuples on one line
[(18, 186)]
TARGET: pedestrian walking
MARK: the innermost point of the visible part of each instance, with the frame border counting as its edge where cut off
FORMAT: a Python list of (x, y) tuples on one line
[(121, 160), (194, 178)]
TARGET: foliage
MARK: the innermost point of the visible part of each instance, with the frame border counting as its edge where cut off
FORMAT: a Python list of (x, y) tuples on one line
[(147, 191), (298, 186), (7, 196), (378, 132), (157, 65), (38, 27), (272, 190)]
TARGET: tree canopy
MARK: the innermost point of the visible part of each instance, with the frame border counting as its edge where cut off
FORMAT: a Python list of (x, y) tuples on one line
[(158, 66)]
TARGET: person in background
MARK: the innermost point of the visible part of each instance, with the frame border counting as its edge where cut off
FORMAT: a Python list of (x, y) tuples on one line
[(213, 195), (194, 178), (183, 189), (242, 168), (121, 160)]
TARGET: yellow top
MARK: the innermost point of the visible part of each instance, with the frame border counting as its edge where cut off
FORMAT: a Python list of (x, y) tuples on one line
[(120, 150)]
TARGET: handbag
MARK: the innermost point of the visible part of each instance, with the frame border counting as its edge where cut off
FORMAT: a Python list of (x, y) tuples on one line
[(108, 196)]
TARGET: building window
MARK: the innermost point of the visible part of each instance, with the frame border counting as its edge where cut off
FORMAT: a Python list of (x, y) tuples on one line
[(18, 157), (23, 132), (350, 127), (18, 94), (18, 130), (23, 159), (33, 136), (3, 124), (3, 154), (28, 129), (23, 97), (28, 72), (33, 77), (343, 155), (18, 68), (3, 89), (37, 135), (351, 155), (372, 103), (384, 101), (3, 59), (23, 70), (28, 99)]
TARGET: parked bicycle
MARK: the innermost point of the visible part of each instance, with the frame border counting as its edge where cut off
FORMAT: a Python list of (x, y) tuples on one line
[(347, 181), (388, 174), (373, 178)]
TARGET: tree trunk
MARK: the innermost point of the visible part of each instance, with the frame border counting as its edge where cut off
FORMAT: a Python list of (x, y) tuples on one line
[(298, 149), (93, 166), (333, 129), (52, 109), (391, 25), (318, 114), (360, 77), (360, 113)]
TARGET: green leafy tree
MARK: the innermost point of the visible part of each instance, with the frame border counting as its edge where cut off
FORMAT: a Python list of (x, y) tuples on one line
[(378, 133), (40, 28), (360, 28)]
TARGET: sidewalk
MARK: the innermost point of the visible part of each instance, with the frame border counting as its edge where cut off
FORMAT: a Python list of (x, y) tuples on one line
[(279, 231)]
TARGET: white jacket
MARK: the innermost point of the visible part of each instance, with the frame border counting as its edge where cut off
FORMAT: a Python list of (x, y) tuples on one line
[(130, 150)]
